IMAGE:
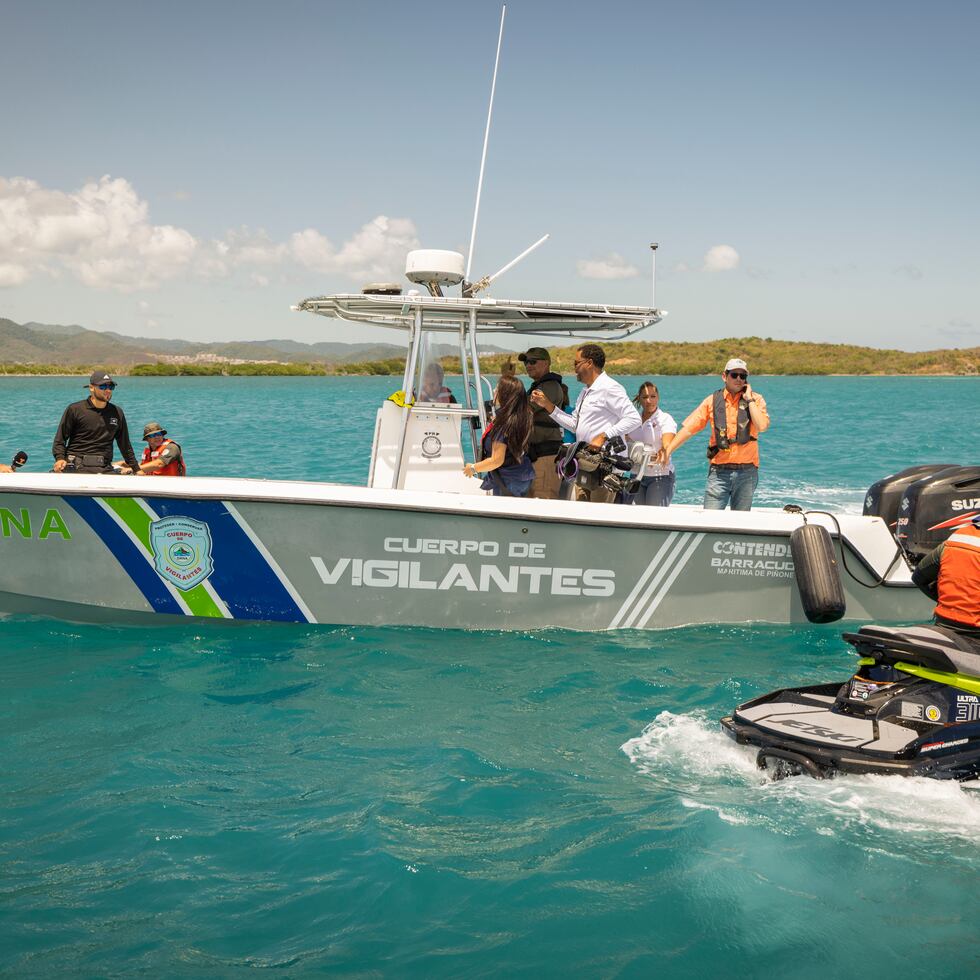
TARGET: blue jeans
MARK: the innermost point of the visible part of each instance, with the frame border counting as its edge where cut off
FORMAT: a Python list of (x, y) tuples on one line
[(655, 491), (727, 485)]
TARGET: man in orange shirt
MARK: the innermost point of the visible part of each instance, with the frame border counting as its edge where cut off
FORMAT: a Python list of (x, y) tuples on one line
[(951, 575), (737, 416)]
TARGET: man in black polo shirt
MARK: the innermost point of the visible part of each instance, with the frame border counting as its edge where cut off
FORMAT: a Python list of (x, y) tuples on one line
[(83, 442), (546, 434)]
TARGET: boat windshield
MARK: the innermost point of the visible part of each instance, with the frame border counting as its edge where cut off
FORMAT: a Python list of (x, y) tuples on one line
[(435, 355)]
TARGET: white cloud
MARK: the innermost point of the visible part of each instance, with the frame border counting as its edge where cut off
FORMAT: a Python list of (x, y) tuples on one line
[(99, 233), (912, 272), (251, 248), (721, 258), (12, 274), (376, 251), (613, 266), (102, 235)]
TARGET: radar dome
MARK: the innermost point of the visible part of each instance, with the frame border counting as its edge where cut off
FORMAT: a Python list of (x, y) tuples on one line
[(433, 265)]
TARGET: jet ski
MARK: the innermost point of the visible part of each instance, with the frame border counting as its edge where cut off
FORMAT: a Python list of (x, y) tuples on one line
[(911, 709)]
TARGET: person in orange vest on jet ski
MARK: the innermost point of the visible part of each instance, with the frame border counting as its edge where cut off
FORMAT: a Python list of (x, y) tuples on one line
[(162, 456), (950, 574)]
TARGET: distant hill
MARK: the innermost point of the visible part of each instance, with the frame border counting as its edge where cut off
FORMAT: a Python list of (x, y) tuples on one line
[(56, 345), (73, 346), (51, 348), (768, 356)]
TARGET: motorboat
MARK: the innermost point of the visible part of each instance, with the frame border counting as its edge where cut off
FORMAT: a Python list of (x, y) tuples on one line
[(912, 708), (422, 545)]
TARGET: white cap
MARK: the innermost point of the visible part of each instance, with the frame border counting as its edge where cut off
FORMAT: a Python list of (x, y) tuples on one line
[(736, 364)]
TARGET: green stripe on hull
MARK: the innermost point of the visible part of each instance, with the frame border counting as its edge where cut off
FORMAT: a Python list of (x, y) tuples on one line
[(199, 602)]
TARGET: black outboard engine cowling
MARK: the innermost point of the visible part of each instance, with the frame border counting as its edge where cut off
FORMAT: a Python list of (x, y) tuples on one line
[(883, 497), (930, 506)]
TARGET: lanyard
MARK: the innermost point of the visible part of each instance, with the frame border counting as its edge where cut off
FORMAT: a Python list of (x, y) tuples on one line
[(579, 404)]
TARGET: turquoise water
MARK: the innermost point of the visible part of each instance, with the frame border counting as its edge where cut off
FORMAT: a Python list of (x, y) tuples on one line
[(191, 801)]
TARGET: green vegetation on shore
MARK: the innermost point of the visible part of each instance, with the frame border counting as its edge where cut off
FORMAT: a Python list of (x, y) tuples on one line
[(216, 369), (765, 356), (253, 369), (53, 369)]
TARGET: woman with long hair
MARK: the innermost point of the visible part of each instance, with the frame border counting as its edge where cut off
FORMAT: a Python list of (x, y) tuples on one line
[(657, 430), (508, 469)]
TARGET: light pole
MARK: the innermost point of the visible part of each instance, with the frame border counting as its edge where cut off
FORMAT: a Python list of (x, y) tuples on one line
[(653, 287)]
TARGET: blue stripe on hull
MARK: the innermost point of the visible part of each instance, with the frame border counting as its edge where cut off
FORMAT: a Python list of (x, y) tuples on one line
[(241, 576), (129, 556)]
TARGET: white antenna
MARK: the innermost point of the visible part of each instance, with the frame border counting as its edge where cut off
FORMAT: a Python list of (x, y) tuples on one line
[(486, 140), (653, 288), (475, 287)]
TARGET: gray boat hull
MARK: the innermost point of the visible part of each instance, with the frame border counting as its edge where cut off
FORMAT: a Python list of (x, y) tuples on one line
[(118, 549)]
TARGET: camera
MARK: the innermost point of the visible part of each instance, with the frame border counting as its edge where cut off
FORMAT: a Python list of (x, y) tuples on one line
[(591, 468)]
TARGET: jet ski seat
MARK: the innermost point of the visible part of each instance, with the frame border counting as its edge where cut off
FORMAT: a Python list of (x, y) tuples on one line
[(928, 645)]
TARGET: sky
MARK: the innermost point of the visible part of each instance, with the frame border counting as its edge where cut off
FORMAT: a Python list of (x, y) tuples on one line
[(191, 170)]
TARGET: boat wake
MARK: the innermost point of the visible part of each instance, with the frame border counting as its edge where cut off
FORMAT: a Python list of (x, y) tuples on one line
[(707, 771), (776, 492)]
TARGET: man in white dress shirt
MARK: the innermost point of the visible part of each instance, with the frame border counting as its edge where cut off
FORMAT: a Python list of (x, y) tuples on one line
[(603, 410)]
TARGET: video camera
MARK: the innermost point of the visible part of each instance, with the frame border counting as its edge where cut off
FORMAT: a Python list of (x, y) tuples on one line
[(590, 468)]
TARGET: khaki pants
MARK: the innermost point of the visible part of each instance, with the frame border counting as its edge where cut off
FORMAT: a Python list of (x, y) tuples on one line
[(598, 496), (546, 483)]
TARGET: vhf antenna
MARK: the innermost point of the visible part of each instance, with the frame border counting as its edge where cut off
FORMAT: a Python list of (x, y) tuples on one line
[(483, 160)]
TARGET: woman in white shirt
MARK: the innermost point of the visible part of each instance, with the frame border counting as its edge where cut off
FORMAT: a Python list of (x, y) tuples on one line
[(657, 429)]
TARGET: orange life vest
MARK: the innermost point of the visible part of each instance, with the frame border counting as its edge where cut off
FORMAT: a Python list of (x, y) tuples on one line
[(959, 577), (174, 468)]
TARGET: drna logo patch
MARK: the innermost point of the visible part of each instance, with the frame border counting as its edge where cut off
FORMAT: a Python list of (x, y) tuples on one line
[(181, 551)]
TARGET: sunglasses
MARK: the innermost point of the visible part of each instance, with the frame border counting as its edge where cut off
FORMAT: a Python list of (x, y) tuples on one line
[(531, 360), (738, 375), (109, 387)]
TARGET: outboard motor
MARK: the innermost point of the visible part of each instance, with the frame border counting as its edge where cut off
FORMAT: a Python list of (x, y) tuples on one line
[(883, 498), (933, 506)]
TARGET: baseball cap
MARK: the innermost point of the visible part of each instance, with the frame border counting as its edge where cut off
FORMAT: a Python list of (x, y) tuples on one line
[(534, 354), (153, 429), (736, 364), (100, 378)]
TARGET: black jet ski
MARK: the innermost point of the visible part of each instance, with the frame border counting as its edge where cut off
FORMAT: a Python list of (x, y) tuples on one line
[(911, 709)]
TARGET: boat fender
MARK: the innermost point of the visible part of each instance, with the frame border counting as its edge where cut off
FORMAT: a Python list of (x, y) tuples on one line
[(817, 574)]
